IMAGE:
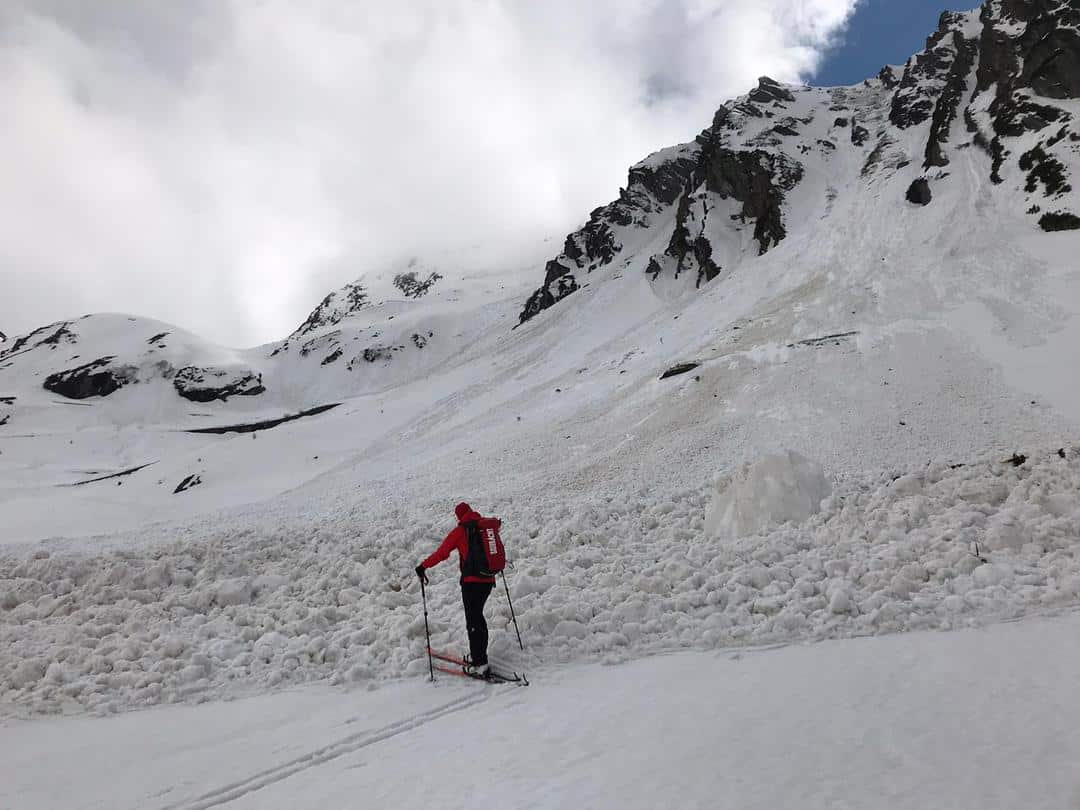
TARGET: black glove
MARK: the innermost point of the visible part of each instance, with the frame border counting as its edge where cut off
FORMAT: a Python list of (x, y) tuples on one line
[(420, 573)]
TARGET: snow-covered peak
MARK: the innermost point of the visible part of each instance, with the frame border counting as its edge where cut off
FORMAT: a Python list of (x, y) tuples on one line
[(337, 306), (1003, 79)]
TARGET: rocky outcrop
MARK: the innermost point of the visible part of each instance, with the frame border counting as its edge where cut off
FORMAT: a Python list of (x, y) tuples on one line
[(209, 384), (689, 249), (187, 483), (759, 181), (1045, 171), (53, 335), (676, 183), (676, 370), (926, 74), (948, 103), (413, 287), (335, 308), (770, 91), (1050, 46), (1001, 69), (1059, 221), (95, 379), (919, 192), (1027, 49), (859, 135), (652, 187)]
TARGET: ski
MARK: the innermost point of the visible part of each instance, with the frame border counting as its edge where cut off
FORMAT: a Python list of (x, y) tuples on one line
[(491, 677), (459, 669), (453, 659)]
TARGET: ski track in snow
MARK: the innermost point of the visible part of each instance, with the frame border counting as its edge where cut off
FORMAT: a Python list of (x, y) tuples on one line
[(320, 756)]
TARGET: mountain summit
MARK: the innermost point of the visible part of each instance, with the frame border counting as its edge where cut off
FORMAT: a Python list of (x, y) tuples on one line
[(1003, 80)]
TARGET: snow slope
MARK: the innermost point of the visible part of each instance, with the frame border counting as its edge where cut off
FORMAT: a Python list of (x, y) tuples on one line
[(910, 350), (972, 719)]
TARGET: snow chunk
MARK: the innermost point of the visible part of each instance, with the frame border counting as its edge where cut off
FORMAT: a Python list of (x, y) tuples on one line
[(27, 673), (570, 629), (775, 489), (233, 592)]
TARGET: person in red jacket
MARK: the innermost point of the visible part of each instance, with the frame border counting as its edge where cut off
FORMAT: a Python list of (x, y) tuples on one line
[(476, 584)]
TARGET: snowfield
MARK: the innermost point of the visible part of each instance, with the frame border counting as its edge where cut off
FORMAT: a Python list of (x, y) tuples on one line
[(982, 718), (608, 577)]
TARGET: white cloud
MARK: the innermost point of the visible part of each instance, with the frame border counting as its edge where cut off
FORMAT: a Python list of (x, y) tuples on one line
[(224, 167)]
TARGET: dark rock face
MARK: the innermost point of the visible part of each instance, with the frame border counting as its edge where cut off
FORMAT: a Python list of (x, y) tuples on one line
[(188, 482), (558, 283), (758, 180), (687, 251), (335, 308), (664, 183), (53, 335), (859, 135), (1044, 169), (653, 186), (919, 192), (949, 101), (681, 368), (96, 379), (927, 73), (1052, 62), (1048, 48), (373, 353), (887, 77), (265, 424), (1059, 221), (770, 91), (207, 385), (413, 287)]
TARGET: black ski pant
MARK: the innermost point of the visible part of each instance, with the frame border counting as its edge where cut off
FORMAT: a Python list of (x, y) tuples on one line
[(474, 595)]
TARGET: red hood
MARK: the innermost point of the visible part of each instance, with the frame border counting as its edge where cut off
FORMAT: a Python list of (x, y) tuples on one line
[(470, 515)]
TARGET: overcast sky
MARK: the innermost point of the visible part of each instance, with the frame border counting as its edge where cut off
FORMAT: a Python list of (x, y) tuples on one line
[(222, 164)]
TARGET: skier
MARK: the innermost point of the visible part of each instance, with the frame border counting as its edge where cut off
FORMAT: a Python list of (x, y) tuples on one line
[(477, 576)]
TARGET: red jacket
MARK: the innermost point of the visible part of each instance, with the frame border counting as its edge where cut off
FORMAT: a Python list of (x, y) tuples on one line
[(459, 539)]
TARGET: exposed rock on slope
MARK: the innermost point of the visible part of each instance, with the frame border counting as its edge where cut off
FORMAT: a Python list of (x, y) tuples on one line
[(337, 306), (96, 379), (1000, 70), (208, 384)]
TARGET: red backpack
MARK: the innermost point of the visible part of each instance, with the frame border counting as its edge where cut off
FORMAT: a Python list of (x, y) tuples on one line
[(486, 556)]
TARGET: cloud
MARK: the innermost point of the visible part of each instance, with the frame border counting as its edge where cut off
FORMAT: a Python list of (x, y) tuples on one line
[(222, 165)]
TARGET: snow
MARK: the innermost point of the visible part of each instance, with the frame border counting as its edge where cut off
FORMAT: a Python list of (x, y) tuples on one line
[(860, 395), (301, 599), (981, 718), (773, 490)]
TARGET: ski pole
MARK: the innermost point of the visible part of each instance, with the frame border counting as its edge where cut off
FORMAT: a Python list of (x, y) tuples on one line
[(512, 616), (427, 632)]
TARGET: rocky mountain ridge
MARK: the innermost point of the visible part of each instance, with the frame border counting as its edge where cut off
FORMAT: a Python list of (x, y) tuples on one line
[(1003, 78)]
